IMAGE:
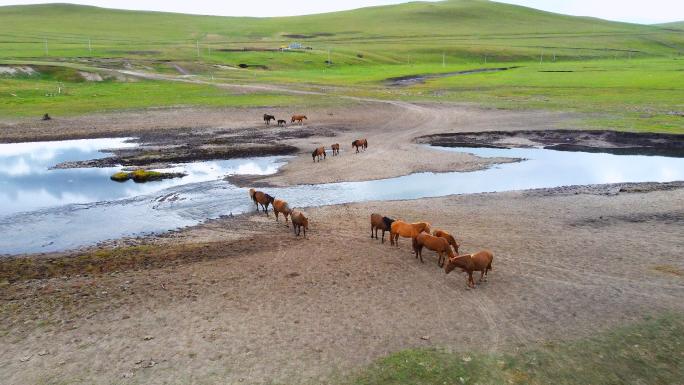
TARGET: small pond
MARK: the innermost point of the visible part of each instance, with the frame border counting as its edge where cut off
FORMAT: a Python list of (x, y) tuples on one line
[(106, 215)]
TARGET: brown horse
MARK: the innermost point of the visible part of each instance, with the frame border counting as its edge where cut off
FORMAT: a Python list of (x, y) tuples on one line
[(318, 153), (406, 230), (281, 207), (378, 222), (448, 237), (360, 143), (480, 261), (268, 118), (438, 244), (335, 149), (261, 198), (298, 118), (299, 221)]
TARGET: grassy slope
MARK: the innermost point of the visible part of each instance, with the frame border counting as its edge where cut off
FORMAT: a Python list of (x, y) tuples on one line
[(646, 353), (639, 88)]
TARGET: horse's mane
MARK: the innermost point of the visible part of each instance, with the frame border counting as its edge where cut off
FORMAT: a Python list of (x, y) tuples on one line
[(388, 221)]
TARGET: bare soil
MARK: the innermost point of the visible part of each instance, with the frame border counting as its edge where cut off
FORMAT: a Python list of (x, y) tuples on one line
[(243, 300)]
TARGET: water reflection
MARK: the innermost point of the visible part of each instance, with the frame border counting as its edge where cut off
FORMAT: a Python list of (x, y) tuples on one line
[(27, 182)]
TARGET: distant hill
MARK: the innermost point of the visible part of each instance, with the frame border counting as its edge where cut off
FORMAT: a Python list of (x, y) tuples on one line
[(417, 26), (676, 24)]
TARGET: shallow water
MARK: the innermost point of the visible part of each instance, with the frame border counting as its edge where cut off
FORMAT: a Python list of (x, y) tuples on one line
[(73, 225), (27, 181)]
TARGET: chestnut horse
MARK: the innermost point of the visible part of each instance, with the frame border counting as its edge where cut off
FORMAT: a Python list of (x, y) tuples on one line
[(378, 222), (448, 237), (438, 244), (281, 207), (319, 152), (298, 118), (268, 118), (299, 220), (335, 149), (261, 198), (360, 143), (480, 261), (406, 230)]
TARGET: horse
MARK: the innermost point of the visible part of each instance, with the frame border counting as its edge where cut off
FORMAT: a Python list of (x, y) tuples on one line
[(406, 230), (378, 222), (448, 237), (335, 149), (319, 152), (280, 206), (261, 198), (438, 244), (298, 118), (268, 118), (282, 122), (480, 261), (360, 143), (299, 220)]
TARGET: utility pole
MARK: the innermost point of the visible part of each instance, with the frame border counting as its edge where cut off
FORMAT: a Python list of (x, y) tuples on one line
[(46, 48)]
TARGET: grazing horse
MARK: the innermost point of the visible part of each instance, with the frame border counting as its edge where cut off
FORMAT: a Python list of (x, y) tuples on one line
[(319, 152), (261, 198), (378, 222), (360, 143), (335, 149), (438, 244), (299, 220), (298, 118), (406, 230), (280, 206), (448, 237), (480, 261), (282, 122), (268, 118)]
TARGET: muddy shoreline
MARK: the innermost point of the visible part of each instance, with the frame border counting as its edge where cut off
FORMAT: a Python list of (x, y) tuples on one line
[(603, 141)]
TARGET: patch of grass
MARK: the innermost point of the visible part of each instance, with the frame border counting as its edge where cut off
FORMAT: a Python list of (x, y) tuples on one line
[(669, 269), (120, 176), (650, 352)]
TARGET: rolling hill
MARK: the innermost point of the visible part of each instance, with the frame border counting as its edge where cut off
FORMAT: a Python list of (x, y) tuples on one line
[(462, 27)]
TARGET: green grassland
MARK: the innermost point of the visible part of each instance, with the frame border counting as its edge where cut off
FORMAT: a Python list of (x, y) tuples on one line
[(646, 353), (626, 76)]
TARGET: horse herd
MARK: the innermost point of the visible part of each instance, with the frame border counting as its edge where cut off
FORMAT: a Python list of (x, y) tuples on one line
[(319, 152), (439, 241), (283, 122)]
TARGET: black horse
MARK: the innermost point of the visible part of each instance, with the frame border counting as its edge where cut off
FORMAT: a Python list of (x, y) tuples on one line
[(268, 118), (282, 122)]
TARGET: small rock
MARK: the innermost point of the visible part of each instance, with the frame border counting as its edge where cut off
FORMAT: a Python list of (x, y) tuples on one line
[(147, 338), (43, 353), (426, 338), (467, 359), (26, 358), (127, 375)]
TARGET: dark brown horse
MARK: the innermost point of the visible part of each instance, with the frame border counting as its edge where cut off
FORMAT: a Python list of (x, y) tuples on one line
[(318, 153), (378, 222), (335, 149), (268, 118), (298, 118), (360, 143), (282, 122), (261, 198)]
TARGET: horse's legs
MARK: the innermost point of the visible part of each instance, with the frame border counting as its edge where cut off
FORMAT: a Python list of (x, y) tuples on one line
[(383, 236), (372, 231)]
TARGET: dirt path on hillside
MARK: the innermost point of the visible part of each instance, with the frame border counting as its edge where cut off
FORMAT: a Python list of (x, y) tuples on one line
[(262, 306)]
